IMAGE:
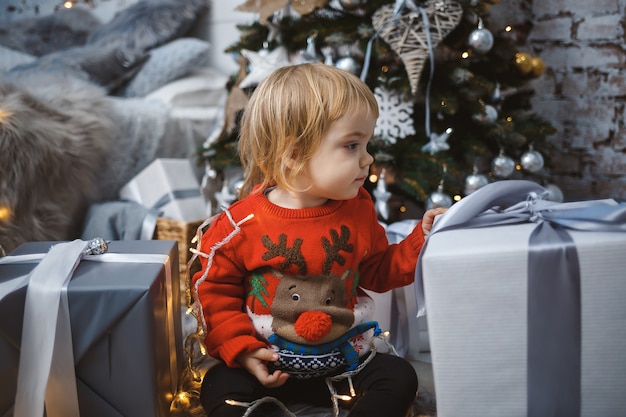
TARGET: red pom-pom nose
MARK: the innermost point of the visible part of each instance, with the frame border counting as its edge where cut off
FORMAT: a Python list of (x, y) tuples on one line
[(313, 325)]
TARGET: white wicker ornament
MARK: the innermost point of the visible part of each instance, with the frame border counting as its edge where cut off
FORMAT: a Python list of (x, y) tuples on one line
[(406, 33), (395, 120)]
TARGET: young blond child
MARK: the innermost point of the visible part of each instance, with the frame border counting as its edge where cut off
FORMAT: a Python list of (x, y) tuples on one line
[(283, 268)]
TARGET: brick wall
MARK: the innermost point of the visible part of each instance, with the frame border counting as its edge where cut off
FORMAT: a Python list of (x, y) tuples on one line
[(583, 91)]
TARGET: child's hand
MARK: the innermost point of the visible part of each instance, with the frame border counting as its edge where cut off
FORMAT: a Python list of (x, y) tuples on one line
[(429, 218), (256, 363)]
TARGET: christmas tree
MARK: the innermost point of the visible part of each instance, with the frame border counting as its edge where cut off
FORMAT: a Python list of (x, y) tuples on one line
[(453, 95)]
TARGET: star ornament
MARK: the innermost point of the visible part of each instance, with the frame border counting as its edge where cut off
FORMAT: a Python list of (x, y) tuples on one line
[(262, 64), (438, 142)]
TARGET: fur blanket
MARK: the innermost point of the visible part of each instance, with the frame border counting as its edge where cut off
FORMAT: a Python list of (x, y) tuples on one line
[(53, 133)]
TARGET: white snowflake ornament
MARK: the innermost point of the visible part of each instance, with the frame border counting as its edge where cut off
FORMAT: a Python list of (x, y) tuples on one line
[(395, 120)]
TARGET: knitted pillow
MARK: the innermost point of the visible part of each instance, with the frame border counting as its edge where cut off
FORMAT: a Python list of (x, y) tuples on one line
[(39, 36), (167, 63), (108, 67), (149, 23)]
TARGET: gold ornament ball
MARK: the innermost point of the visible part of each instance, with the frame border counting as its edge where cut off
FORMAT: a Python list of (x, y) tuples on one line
[(538, 67), (523, 62)]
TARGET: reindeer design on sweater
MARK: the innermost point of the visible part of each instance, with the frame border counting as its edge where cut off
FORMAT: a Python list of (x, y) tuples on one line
[(311, 313)]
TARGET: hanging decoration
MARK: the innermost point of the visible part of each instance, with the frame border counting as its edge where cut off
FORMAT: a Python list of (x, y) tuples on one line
[(438, 142), (531, 160), (488, 115), (554, 193), (408, 33), (523, 62), (382, 196), (502, 165), (439, 198), (348, 63), (263, 63), (310, 54), (395, 120), (474, 181), (537, 66), (480, 39)]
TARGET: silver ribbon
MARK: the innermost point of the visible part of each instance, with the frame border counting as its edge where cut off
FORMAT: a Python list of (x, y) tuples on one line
[(176, 195), (46, 368), (554, 310)]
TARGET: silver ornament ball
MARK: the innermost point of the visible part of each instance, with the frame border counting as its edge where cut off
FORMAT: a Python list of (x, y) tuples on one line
[(532, 161), (489, 116), (461, 75), (474, 182), (502, 166), (348, 63), (554, 193), (438, 199), (480, 40)]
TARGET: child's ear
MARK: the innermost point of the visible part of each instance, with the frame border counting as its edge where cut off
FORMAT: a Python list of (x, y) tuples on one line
[(291, 156)]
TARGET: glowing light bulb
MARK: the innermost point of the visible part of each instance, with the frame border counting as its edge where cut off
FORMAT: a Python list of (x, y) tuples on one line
[(5, 213)]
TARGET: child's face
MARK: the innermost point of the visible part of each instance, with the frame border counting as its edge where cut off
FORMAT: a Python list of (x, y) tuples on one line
[(340, 165)]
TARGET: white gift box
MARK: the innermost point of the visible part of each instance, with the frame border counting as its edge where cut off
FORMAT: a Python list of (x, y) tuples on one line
[(169, 186), (475, 284)]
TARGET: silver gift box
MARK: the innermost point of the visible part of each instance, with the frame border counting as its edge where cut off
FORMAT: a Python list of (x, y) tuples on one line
[(126, 331)]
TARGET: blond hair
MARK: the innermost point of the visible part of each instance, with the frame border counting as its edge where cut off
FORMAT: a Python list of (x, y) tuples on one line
[(287, 116)]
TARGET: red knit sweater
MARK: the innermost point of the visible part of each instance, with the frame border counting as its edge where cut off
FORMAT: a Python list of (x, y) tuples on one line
[(261, 274)]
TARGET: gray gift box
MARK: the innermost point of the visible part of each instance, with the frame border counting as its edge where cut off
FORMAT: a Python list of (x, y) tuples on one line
[(126, 331)]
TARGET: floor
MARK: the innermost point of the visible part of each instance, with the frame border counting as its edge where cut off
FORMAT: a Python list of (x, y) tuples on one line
[(424, 368)]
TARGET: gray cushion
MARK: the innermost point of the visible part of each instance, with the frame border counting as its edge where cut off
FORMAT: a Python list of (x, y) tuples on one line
[(167, 63), (149, 23), (39, 36)]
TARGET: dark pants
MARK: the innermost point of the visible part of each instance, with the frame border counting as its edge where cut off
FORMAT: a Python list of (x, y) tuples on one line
[(385, 387)]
